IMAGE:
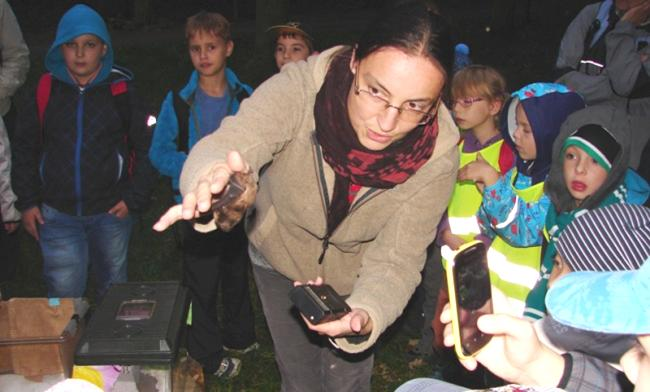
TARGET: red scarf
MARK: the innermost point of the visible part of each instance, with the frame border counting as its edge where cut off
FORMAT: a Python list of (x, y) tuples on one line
[(351, 161)]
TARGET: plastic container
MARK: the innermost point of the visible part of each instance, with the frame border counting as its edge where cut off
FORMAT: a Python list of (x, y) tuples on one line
[(137, 323)]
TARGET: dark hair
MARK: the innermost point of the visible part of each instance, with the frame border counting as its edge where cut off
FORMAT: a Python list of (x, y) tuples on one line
[(208, 22), (412, 26)]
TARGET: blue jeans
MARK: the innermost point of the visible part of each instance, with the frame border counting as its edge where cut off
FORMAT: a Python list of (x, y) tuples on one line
[(71, 244)]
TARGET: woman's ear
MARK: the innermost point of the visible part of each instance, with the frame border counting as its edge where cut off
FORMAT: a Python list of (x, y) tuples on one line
[(353, 61)]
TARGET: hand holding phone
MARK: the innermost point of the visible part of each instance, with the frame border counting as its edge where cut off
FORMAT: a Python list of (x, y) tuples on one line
[(468, 282), (319, 303)]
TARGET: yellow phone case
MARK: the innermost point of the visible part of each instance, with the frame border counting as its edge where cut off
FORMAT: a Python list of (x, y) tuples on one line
[(451, 288)]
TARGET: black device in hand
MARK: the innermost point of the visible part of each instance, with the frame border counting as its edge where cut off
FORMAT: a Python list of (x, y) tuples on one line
[(230, 193), (319, 304), (470, 297)]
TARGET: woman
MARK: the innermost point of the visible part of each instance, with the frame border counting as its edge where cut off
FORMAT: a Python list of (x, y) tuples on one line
[(363, 159)]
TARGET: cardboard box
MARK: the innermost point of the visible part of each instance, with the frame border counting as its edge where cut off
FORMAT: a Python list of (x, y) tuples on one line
[(38, 335)]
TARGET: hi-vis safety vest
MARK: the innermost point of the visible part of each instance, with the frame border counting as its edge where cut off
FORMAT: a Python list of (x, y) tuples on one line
[(514, 270), (466, 199)]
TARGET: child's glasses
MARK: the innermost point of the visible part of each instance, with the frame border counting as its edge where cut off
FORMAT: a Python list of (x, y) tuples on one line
[(467, 102)]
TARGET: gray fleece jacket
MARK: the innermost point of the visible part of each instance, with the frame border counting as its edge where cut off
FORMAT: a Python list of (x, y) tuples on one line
[(377, 252)]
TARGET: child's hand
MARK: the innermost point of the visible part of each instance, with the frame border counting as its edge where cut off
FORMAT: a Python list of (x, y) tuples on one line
[(637, 14), (514, 352), (451, 240), (120, 210), (479, 172), (31, 219)]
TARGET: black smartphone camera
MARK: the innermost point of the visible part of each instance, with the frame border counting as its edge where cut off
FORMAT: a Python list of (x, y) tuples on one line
[(319, 304), (470, 297)]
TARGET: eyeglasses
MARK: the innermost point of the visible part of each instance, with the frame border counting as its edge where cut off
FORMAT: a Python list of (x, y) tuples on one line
[(467, 102), (408, 111)]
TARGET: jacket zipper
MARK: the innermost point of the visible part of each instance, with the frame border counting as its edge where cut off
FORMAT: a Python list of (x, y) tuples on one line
[(77, 152), (325, 200)]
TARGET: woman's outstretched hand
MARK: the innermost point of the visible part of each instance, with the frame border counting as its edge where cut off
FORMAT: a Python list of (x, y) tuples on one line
[(199, 200)]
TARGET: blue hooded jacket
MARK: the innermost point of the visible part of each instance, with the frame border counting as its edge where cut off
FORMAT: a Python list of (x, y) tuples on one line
[(503, 213), (90, 151), (164, 153), (79, 20)]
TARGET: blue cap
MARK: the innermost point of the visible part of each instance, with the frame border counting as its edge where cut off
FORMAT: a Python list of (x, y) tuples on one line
[(610, 302)]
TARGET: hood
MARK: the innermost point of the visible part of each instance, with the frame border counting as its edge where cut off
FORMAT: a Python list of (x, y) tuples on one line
[(234, 84), (546, 105), (618, 125), (77, 21)]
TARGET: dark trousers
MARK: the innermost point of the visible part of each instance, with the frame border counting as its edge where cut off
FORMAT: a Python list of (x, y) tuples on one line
[(8, 254), (307, 361), (216, 264)]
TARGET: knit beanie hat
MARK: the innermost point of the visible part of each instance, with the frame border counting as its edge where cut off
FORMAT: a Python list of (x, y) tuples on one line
[(612, 238), (596, 141)]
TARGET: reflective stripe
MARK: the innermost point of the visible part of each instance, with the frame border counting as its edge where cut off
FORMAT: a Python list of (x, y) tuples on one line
[(501, 303), (590, 62), (511, 216), (464, 225), (508, 271), (447, 255), (466, 199)]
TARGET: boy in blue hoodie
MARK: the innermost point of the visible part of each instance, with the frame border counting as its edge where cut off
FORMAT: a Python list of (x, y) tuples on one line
[(214, 260), (80, 166)]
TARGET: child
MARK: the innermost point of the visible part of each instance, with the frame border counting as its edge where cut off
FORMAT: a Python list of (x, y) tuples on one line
[(514, 205), (215, 259), (589, 170), (478, 94), (72, 159), (612, 238), (292, 43)]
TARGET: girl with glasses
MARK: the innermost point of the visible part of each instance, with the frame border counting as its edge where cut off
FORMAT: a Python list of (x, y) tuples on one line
[(360, 161)]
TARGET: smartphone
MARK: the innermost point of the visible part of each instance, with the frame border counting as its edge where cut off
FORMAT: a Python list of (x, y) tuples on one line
[(470, 296), (319, 304)]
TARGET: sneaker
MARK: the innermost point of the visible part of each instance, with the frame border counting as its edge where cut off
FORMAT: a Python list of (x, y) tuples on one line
[(228, 368), (242, 351)]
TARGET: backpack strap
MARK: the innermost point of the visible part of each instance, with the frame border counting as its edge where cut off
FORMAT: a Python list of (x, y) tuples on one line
[(182, 110), (241, 95), (119, 90), (43, 91)]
